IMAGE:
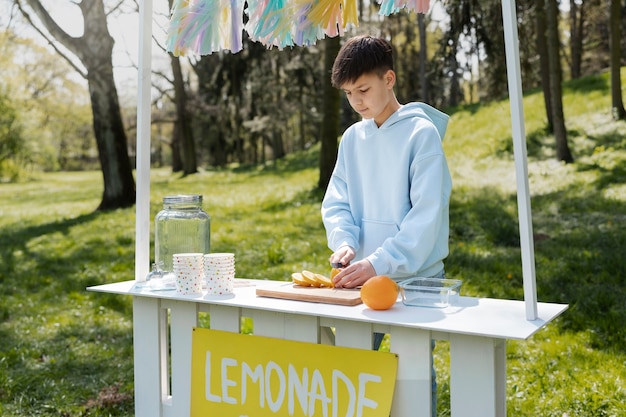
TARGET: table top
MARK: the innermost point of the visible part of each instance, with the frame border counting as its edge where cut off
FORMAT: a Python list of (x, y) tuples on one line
[(489, 317)]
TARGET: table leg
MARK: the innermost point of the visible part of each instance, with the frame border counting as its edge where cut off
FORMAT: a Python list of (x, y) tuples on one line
[(353, 334), (301, 328), (413, 393), (225, 318), (477, 376), (147, 343), (183, 318)]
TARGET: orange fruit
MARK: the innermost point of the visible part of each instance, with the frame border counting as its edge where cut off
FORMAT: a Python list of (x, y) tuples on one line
[(379, 292)]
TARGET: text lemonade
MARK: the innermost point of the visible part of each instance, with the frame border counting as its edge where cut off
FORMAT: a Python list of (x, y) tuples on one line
[(276, 388), (237, 375)]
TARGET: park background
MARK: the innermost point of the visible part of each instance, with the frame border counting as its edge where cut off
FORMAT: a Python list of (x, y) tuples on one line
[(258, 124)]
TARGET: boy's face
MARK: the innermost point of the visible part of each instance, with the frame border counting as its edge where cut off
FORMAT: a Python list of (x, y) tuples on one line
[(372, 96)]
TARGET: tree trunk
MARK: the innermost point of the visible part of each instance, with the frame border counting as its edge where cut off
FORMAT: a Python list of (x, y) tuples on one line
[(544, 71), (183, 146), (423, 58), (183, 116), (576, 37), (556, 94), (617, 104), (119, 185), (455, 87), (210, 70), (177, 159), (94, 50), (276, 133), (330, 123)]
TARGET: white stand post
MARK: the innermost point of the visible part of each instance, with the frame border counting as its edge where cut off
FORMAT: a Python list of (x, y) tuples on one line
[(519, 146), (142, 208)]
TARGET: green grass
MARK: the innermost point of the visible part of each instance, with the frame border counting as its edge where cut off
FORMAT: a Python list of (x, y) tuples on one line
[(67, 352)]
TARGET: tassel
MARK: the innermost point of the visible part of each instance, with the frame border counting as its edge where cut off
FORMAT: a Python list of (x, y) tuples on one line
[(418, 6), (388, 7), (350, 15), (423, 6), (327, 14), (306, 32), (270, 23), (204, 27)]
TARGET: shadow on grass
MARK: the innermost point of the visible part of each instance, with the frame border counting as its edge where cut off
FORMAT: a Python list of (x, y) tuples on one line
[(484, 215), (293, 162), (578, 254), (313, 196), (540, 144), (611, 139), (609, 164), (589, 84), (474, 108), (66, 373), (582, 265), (60, 352), (25, 269)]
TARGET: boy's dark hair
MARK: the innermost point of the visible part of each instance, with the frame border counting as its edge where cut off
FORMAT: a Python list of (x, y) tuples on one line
[(361, 55)]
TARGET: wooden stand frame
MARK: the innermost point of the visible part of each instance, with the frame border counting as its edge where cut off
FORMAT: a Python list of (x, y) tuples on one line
[(477, 329)]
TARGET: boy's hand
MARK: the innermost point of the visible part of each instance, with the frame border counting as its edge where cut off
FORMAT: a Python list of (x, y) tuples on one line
[(354, 275), (342, 257)]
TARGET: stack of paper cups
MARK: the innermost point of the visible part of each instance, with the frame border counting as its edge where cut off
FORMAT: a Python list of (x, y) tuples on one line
[(188, 271), (219, 273)]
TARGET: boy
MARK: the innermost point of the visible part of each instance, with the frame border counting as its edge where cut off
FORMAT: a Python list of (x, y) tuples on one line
[(386, 207)]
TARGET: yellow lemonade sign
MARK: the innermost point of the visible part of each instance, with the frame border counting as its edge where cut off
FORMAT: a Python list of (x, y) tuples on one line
[(235, 375)]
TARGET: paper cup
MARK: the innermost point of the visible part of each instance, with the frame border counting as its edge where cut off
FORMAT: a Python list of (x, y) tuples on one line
[(220, 285), (189, 260), (188, 282), (219, 273)]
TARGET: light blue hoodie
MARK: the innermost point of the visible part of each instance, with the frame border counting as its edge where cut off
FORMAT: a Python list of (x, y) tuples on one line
[(388, 197)]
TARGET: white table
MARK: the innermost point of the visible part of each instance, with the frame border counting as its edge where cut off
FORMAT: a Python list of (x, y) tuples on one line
[(477, 329)]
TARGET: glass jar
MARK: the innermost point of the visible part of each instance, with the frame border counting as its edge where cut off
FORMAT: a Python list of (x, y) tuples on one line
[(181, 227)]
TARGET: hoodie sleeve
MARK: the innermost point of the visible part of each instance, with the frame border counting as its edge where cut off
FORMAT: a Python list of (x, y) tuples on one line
[(341, 229)]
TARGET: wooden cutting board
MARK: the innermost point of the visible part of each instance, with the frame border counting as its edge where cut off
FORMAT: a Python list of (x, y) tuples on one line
[(289, 291)]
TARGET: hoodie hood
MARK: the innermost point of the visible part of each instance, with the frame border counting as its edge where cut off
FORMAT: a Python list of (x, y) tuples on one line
[(421, 110)]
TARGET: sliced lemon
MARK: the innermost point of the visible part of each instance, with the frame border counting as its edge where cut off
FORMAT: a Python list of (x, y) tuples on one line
[(296, 277), (324, 280), (309, 277)]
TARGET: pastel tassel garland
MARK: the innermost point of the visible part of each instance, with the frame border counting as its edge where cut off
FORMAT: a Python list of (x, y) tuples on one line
[(272, 22), (201, 27), (205, 26), (333, 16), (306, 32), (388, 7)]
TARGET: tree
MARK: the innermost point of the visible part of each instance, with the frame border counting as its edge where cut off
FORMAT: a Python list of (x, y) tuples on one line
[(577, 19), (52, 107), (183, 126), (212, 86), (183, 130), (11, 144), (94, 50), (556, 93), (330, 124), (615, 17), (475, 28), (423, 56), (541, 40)]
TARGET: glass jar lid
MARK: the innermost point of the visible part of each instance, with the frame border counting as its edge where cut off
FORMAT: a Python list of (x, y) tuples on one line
[(182, 198)]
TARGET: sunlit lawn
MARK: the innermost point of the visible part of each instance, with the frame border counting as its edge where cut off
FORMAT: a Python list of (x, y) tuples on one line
[(68, 352)]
